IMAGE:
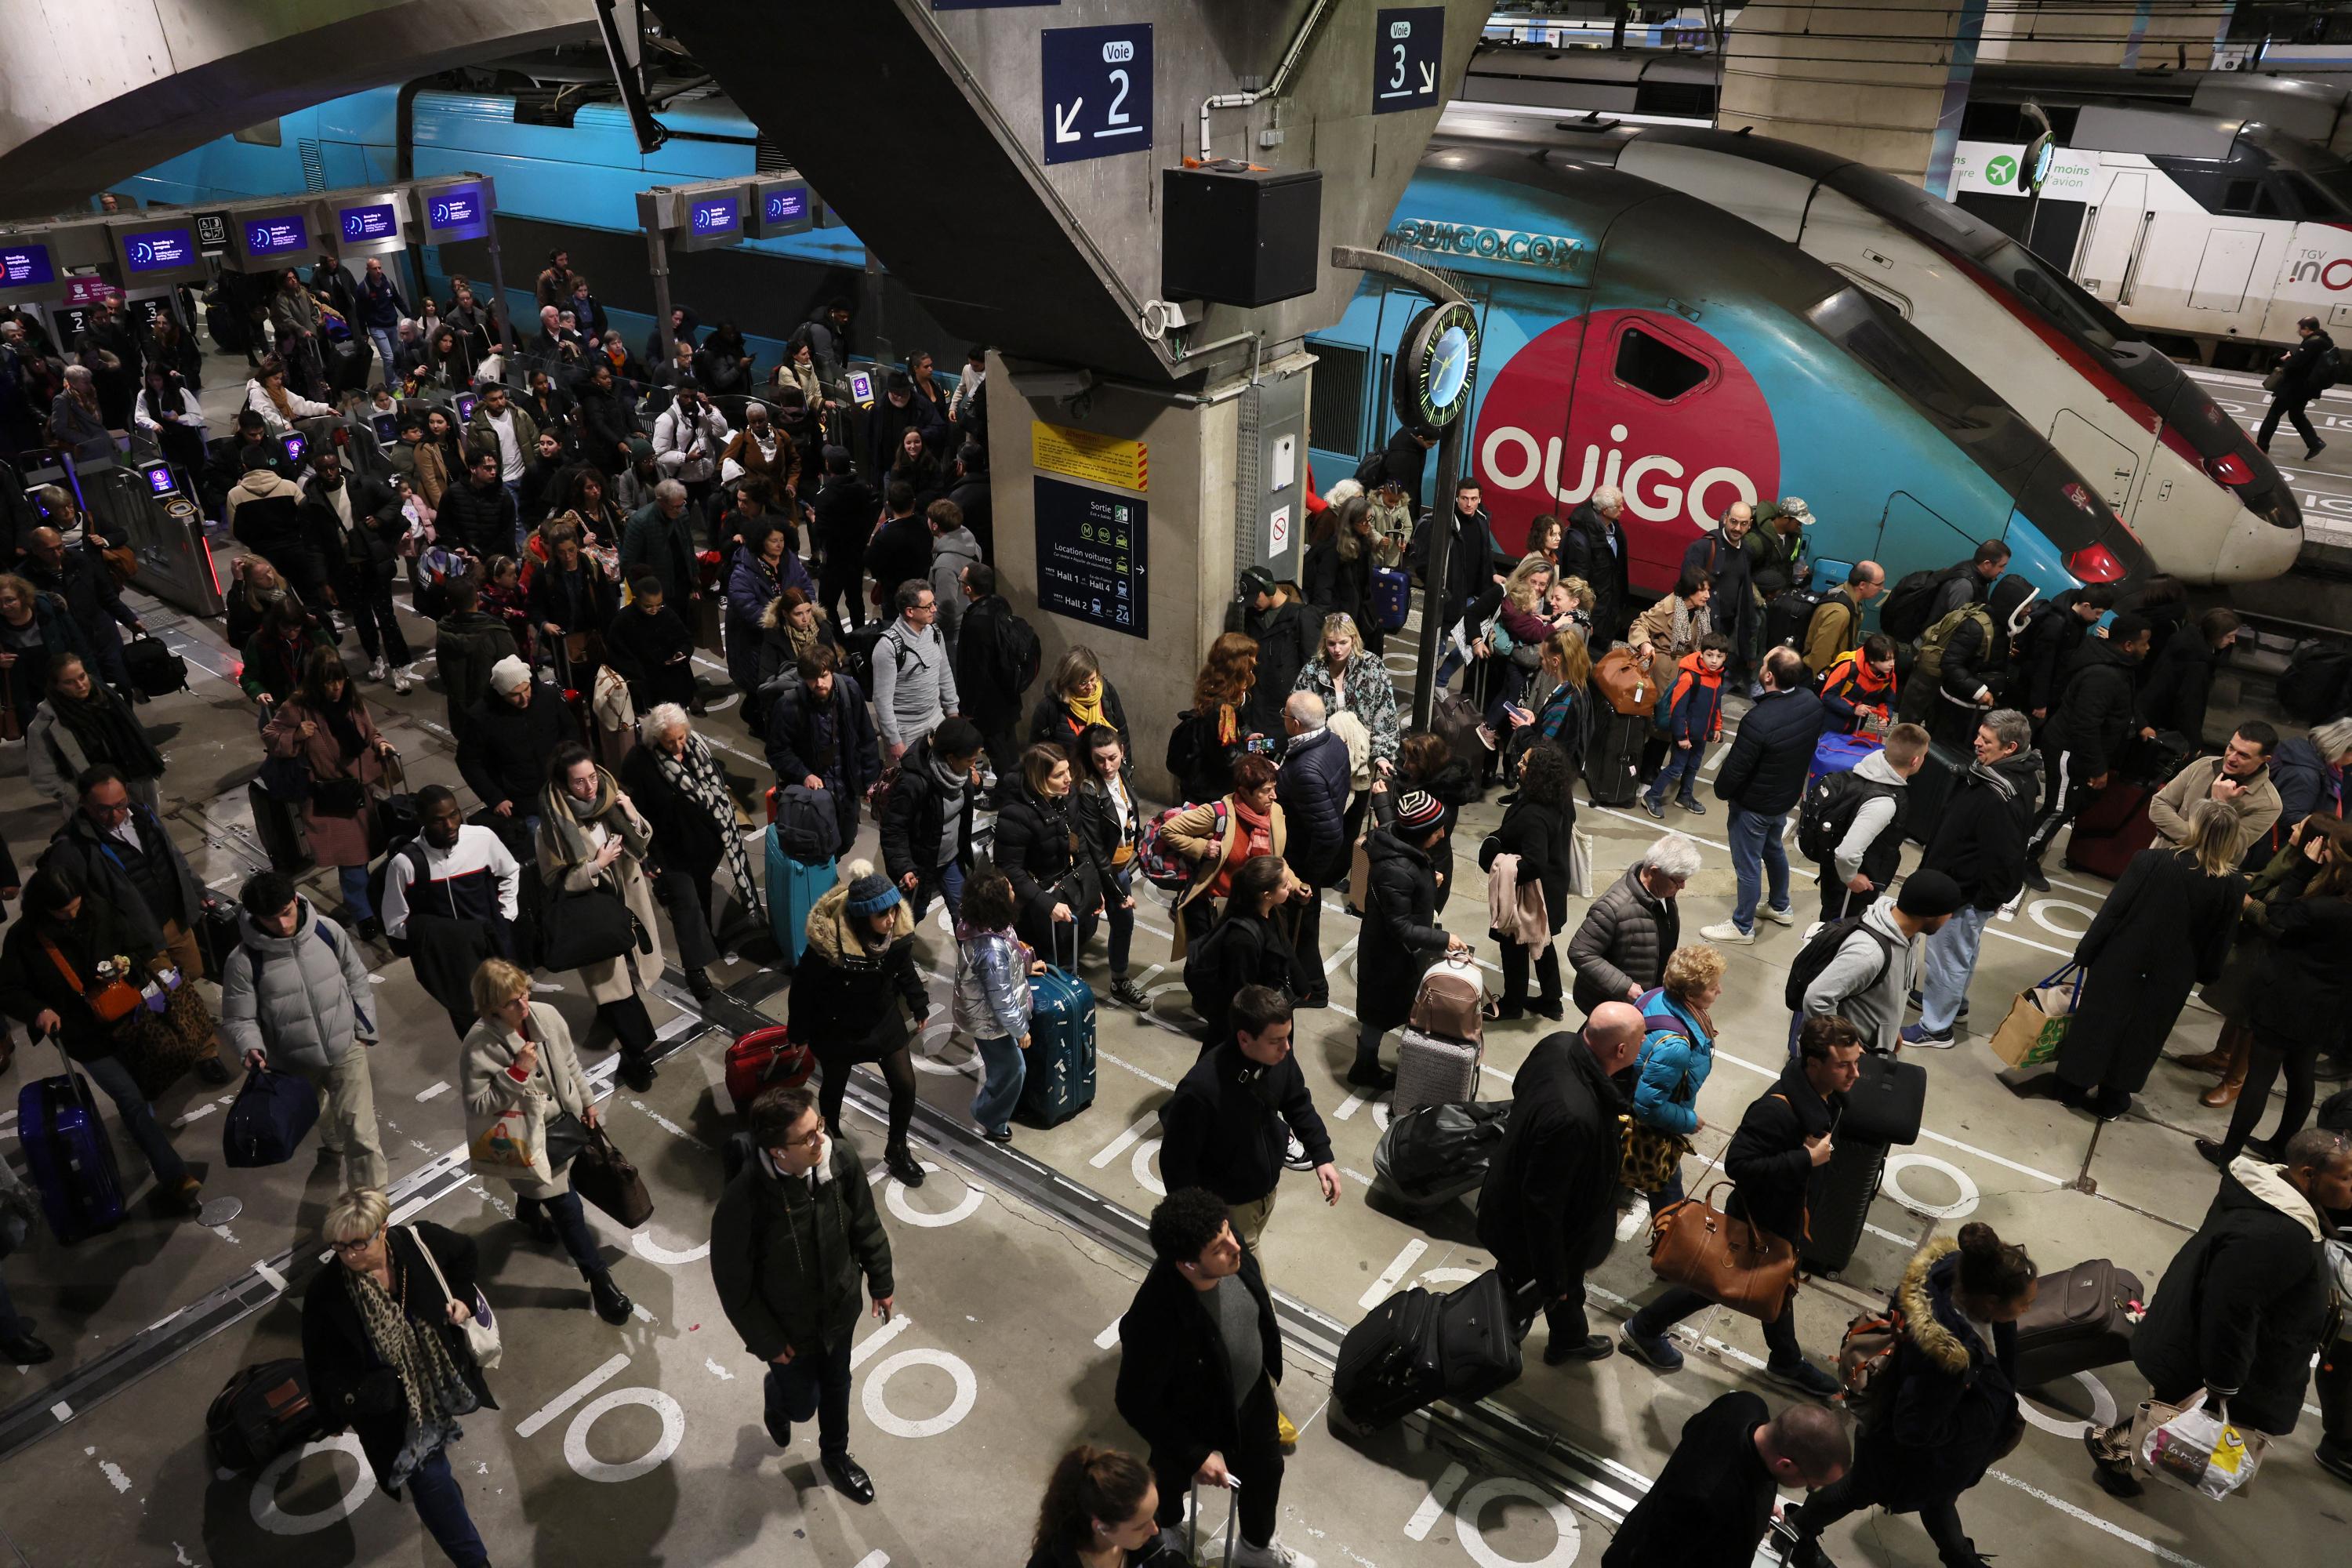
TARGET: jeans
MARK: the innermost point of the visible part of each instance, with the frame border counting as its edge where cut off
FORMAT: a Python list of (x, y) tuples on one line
[(1004, 1071), (1755, 838), (814, 1383), (441, 1504), (1121, 921), (1447, 667), (947, 882), (354, 880), (138, 1120), (1940, 1519), (1680, 1301), (571, 1222), (381, 338), (1951, 961), (1680, 764), (1838, 901)]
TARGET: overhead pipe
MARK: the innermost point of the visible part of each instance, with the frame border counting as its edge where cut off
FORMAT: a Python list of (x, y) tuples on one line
[(1280, 79)]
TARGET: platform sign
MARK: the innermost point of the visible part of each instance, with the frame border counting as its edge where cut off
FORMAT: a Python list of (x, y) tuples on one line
[(1096, 91), (212, 232), (457, 212), (26, 265), (273, 236), (1408, 46), (1091, 554), (90, 292), (369, 222)]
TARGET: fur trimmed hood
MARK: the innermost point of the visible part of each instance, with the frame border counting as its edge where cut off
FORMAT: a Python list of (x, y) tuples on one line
[(829, 924), (1918, 1296)]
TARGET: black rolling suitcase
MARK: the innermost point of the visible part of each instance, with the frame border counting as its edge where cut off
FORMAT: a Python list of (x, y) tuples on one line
[(279, 825), (1418, 1347), (1837, 1202), (1612, 763), (1929, 788), (2080, 1322)]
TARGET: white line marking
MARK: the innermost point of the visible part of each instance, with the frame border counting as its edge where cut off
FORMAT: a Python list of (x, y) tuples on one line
[(2087, 1517), (1348, 1106), (1109, 1336), (1888, 1235), (571, 1397), (197, 1114), (425, 1094), (62, 1411), (277, 1281), (1433, 1507), (878, 1339), (1377, 1292), (1104, 1055), (875, 1560), (1122, 1143)]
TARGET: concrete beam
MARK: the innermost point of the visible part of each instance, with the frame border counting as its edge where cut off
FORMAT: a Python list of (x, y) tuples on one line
[(99, 89)]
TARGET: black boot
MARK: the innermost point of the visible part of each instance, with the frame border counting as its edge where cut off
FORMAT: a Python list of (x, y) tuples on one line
[(902, 1164), (698, 981), (637, 1070), (611, 1303)]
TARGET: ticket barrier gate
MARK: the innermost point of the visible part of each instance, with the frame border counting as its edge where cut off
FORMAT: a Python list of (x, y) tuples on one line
[(138, 497)]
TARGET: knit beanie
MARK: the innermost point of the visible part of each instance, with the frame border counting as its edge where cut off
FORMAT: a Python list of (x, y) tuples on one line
[(1419, 812), (508, 673), (1926, 894), (870, 892)]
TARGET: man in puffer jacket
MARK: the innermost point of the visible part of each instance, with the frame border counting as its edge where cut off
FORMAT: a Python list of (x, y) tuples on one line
[(294, 1000), (1621, 950), (1312, 790)]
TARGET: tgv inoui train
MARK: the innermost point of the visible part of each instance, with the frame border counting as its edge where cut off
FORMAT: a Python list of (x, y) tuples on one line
[(1636, 337), (2210, 507)]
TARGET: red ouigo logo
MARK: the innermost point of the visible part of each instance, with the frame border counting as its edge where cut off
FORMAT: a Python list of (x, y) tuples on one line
[(1633, 399)]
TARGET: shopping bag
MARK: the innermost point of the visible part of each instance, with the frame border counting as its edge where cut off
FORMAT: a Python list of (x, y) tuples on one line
[(1579, 863), (2193, 1448), (512, 1143), (2037, 1022)]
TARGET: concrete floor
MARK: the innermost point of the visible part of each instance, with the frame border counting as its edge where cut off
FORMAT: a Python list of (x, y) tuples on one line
[(643, 1445)]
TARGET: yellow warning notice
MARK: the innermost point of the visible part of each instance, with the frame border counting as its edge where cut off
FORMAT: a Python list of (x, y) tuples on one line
[(1083, 454)]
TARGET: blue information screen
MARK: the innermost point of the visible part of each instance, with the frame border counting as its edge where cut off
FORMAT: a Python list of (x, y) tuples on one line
[(458, 213), (276, 235), (378, 222), (160, 250), (24, 266), (716, 215), (788, 205)]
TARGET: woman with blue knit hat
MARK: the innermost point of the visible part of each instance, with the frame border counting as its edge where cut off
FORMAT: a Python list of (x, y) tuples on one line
[(860, 965)]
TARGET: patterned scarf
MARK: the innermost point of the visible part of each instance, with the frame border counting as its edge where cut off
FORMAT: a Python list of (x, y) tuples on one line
[(567, 816), (696, 776), (436, 1391)]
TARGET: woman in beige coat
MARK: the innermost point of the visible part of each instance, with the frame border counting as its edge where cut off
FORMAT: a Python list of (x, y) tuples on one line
[(590, 835), (519, 1054)]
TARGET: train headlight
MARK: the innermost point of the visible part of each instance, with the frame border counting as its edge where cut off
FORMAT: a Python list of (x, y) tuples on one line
[(2230, 469), (2095, 564)]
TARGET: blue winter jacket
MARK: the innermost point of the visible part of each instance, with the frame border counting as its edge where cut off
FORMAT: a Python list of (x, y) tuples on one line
[(1676, 1055)]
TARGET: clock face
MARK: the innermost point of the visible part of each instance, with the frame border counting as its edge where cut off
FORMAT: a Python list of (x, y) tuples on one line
[(1449, 366), (1440, 360)]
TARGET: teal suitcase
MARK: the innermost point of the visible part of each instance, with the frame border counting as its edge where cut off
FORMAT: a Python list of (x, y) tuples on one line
[(1061, 1066), (793, 889)]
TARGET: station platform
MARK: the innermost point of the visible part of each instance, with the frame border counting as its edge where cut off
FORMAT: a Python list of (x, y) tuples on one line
[(643, 1443)]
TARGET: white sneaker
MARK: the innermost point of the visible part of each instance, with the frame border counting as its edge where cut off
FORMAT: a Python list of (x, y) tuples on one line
[(377, 671), (1812, 931), (1727, 934), (1778, 917), (1273, 1554), (403, 682), (1634, 1220)]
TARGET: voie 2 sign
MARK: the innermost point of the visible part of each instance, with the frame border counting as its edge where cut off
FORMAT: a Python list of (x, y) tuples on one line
[(1097, 92)]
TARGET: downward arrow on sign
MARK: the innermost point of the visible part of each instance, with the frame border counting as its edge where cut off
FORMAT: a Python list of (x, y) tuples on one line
[(1062, 122), (1429, 76)]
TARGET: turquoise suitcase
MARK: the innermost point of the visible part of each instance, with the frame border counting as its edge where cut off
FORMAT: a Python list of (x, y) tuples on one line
[(1061, 1066), (793, 889)]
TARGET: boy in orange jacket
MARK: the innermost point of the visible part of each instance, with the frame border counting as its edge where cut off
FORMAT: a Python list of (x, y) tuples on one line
[(1692, 716)]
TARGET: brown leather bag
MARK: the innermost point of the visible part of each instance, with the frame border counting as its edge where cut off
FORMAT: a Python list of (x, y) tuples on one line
[(1621, 681), (1745, 1267), (1449, 1003)]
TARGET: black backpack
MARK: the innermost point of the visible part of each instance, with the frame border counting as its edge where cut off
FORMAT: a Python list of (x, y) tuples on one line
[(807, 825), (1906, 612), (1816, 954), (1369, 471), (1018, 655), (2314, 688)]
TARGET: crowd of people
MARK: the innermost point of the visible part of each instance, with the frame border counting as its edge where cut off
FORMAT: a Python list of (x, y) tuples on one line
[(588, 527)]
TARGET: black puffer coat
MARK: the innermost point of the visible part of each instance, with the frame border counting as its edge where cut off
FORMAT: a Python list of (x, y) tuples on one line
[(1037, 846), (1624, 942), (1540, 836), (1952, 1408), (843, 992), (1400, 934)]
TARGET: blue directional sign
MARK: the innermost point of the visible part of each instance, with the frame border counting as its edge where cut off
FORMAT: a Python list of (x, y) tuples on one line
[(1408, 46), (369, 222), (1097, 92)]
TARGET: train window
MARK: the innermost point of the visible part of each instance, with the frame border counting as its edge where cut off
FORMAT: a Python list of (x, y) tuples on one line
[(2250, 197), (265, 134), (1938, 386), (1653, 366)]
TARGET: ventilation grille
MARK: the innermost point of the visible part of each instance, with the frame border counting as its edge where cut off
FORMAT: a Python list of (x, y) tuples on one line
[(771, 159), (1335, 409), (314, 166)]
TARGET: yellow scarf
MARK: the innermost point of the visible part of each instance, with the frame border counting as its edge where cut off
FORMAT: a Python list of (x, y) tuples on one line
[(1082, 714)]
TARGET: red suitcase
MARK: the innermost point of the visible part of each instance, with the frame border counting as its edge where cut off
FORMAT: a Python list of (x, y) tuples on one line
[(764, 1059), (2111, 830)]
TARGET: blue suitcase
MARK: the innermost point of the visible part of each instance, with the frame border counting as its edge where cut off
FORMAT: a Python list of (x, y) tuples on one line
[(1835, 753), (1061, 1066), (273, 1113), (793, 889), (1391, 597), (70, 1156)]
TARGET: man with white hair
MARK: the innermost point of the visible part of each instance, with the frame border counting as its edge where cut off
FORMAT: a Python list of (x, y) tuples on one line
[(1629, 931), (1593, 547), (1312, 790), (503, 749), (660, 540)]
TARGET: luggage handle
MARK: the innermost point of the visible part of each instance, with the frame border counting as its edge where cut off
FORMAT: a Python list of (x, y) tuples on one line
[(1193, 1518), (1054, 943)]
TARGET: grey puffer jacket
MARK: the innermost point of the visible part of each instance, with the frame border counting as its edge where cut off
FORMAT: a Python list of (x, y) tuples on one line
[(301, 999), (1623, 943)]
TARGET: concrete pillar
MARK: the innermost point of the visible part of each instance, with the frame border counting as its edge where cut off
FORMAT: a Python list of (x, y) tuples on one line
[(1882, 82), (1082, 454)]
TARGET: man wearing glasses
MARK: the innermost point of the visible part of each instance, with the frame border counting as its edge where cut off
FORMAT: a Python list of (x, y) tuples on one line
[(793, 1230)]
